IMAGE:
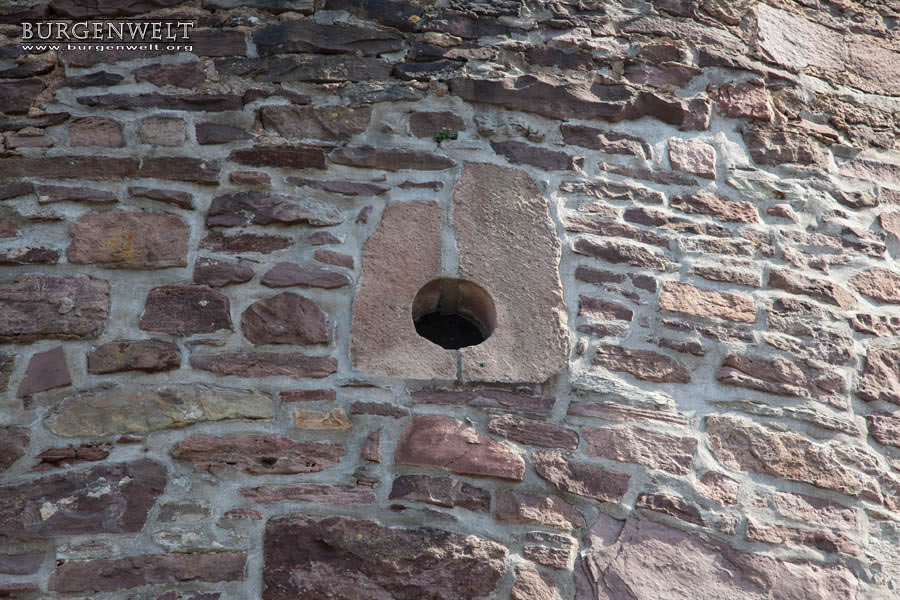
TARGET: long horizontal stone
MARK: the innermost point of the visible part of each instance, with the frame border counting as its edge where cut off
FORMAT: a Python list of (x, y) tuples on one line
[(265, 364), (257, 454)]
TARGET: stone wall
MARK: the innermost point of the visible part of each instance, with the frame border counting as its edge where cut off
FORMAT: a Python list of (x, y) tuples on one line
[(685, 211)]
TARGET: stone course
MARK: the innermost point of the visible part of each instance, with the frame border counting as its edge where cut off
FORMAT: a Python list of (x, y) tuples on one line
[(684, 213)]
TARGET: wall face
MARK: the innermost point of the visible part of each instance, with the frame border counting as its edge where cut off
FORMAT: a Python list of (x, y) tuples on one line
[(686, 213)]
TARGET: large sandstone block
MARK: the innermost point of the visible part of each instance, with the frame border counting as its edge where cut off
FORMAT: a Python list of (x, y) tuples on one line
[(41, 306), (129, 240)]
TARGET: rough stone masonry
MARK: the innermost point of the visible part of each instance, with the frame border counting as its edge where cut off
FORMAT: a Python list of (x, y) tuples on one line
[(685, 212)]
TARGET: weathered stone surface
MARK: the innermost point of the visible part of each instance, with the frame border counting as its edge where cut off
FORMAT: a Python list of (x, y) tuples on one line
[(609, 311), (29, 256), (881, 284), (531, 585), (440, 491), (654, 450), (67, 167), (185, 310), (389, 159), (130, 240), (307, 35), (885, 429), (802, 507), (533, 433), (511, 506), (389, 562), (330, 257), (334, 420), (693, 156), (642, 364), (344, 188), (219, 133), (129, 409), (249, 178), (174, 197), (398, 259), (822, 289), (257, 454), (181, 75), (21, 564), (880, 379), (245, 242), (494, 399), (627, 562), (104, 575), (611, 142), (445, 443), (317, 122), (704, 203), (188, 102), (579, 478), (96, 131), (15, 189), (532, 346), (745, 100), (264, 208), (289, 157), (13, 444), (46, 371), (428, 124), (822, 539), (310, 492), (321, 69), (622, 252), (67, 456), (381, 409), (48, 194), (162, 131), (796, 43), (782, 376), (110, 498), (41, 306), (181, 168), (746, 446), (670, 505), (685, 298), (286, 274), (265, 364), (520, 153), (774, 148), (371, 450), (219, 273), (16, 97), (719, 487), (287, 318)]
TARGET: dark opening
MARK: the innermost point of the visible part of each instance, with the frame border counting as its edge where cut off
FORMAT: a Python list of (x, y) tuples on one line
[(454, 313)]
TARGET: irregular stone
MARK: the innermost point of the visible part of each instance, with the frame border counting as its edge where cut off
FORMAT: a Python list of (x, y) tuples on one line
[(672, 506), (96, 131), (802, 507), (29, 256), (185, 310), (884, 429), (596, 226), (41, 306), (718, 487), (104, 575), (335, 420), (381, 409), (289, 157), (13, 444), (68, 456), (869, 169), (533, 346), (335, 122), (401, 256), (48, 194), (181, 75), (745, 100), (286, 274), (180, 168), (265, 364), (257, 454), (397, 562), (129, 409), (445, 443), (773, 148), (781, 376), (824, 290), (174, 197), (728, 275), (219, 133), (310, 492), (110, 498), (287, 318), (654, 450), (16, 97), (308, 396), (330, 257), (130, 240), (531, 585), (9, 123), (627, 562), (264, 208), (315, 68), (520, 153), (219, 273), (46, 371), (693, 156), (26, 563), (796, 43), (245, 242), (704, 203), (511, 506), (344, 188), (304, 7), (494, 399), (389, 159), (440, 491), (187, 102), (533, 433), (619, 412), (184, 510), (555, 558), (880, 379), (249, 178), (746, 446), (881, 284), (613, 191), (307, 35), (611, 142), (371, 450), (428, 124), (590, 481), (622, 252), (162, 131), (642, 364), (822, 539), (16, 189), (685, 298)]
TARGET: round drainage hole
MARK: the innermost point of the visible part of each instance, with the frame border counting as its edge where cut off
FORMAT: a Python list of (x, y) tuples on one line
[(454, 313)]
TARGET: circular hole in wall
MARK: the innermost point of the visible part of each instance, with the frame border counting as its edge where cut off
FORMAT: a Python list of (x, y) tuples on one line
[(454, 313)]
